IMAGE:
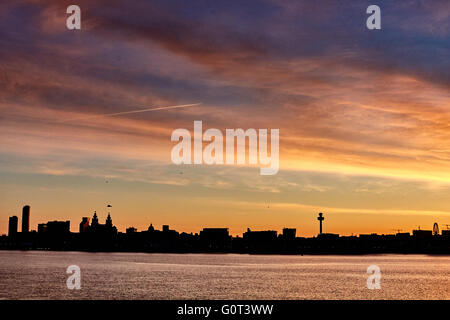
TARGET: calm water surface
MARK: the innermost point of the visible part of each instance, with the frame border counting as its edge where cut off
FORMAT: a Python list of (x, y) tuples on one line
[(42, 275)]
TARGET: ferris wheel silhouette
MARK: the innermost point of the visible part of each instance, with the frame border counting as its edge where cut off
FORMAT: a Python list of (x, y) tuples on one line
[(435, 229)]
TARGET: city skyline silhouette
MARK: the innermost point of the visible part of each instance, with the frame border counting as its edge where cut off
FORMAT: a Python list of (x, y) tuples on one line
[(95, 236)]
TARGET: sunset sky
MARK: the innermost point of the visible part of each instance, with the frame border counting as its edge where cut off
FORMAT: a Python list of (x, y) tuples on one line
[(364, 115)]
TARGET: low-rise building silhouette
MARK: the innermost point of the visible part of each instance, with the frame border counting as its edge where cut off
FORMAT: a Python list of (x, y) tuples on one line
[(84, 224), (422, 233), (215, 239), (131, 230), (289, 233)]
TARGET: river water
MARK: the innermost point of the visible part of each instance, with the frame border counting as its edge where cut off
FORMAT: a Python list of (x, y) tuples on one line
[(42, 275)]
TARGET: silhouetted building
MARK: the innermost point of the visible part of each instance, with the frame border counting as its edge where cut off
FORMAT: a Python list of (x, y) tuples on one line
[(214, 233), (84, 224), (289, 233), (260, 235), (94, 220), (131, 230), (26, 219), (54, 235), (260, 241), (42, 227), (108, 222), (165, 228), (12, 226), (329, 236), (98, 228), (403, 235), (58, 227), (215, 238), (422, 233), (446, 233), (97, 236), (320, 218), (369, 236)]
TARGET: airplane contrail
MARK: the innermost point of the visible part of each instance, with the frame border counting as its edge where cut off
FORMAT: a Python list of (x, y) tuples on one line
[(133, 111)]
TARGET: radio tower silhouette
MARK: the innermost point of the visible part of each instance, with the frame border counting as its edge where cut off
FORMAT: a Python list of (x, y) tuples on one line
[(320, 218)]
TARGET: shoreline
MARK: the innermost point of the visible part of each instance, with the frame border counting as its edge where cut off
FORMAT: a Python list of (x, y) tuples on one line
[(240, 253)]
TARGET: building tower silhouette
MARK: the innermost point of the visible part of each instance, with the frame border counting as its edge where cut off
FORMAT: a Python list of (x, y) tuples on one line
[(94, 220), (26, 219), (320, 218), (109, 221), (12, 227)]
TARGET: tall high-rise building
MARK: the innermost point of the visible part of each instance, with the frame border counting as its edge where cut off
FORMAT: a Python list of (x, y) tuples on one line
[(26, 219), (12, 227)]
